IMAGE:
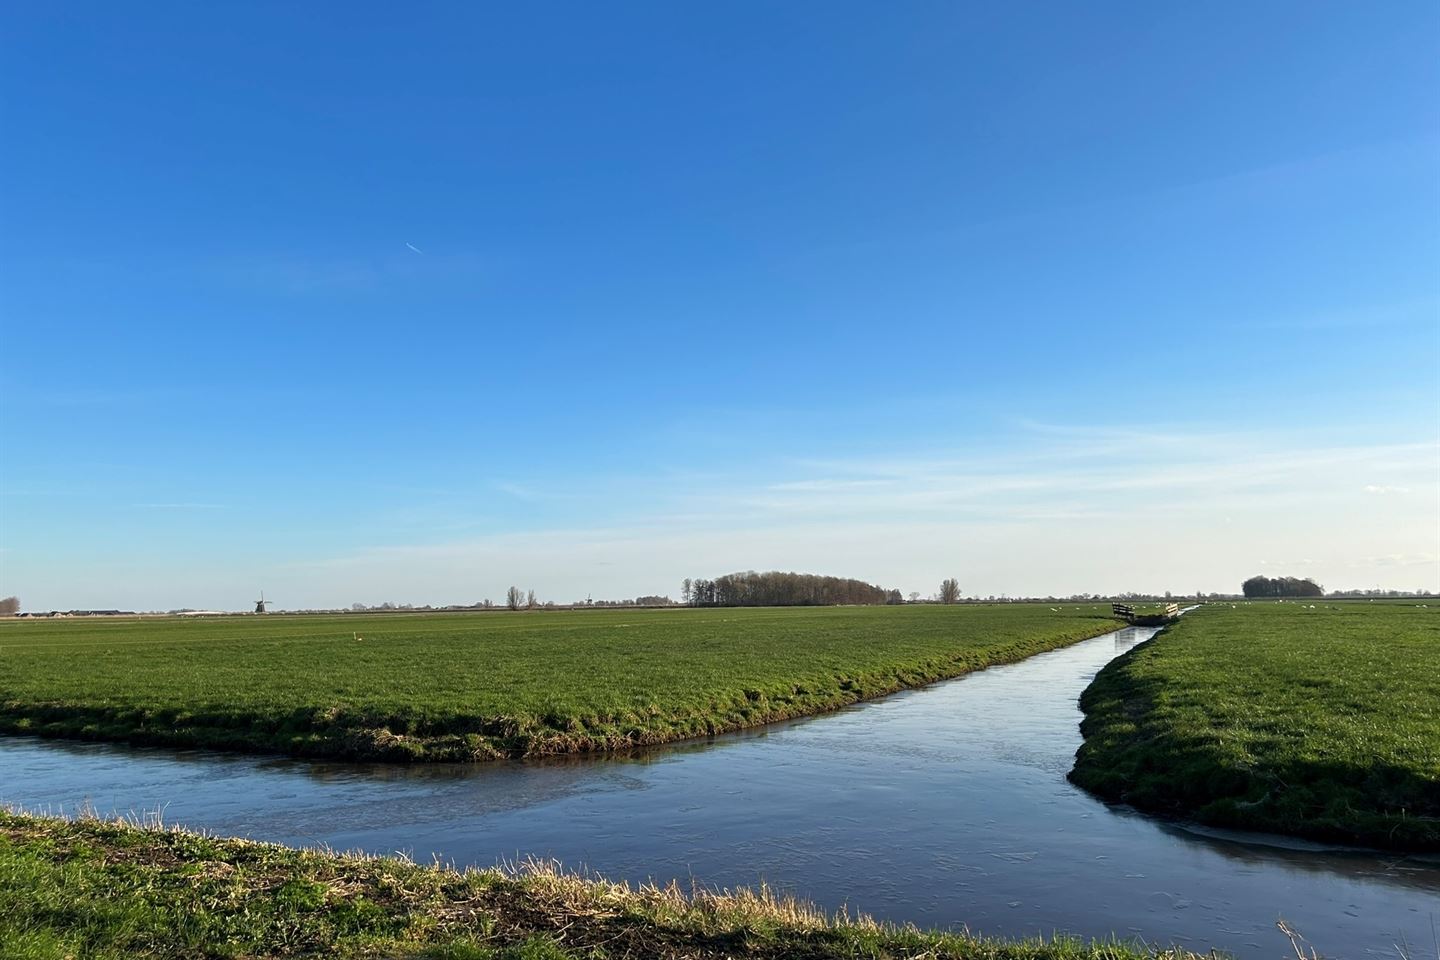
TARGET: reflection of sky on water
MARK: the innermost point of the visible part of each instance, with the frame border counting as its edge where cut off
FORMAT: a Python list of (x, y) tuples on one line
[(945, 806)]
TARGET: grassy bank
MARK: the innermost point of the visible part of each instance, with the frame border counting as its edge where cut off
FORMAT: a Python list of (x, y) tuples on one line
[(1322, 723), (104, 891), (478, 686)]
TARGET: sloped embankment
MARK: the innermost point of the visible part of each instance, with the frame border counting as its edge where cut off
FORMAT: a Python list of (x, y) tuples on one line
[(108, 890)]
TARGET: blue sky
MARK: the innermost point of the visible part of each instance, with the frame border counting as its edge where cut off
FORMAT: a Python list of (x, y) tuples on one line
[(364, 303)]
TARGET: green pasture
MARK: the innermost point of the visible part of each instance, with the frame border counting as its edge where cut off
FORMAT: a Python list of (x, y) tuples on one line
[(478, 685), (1316, 718)]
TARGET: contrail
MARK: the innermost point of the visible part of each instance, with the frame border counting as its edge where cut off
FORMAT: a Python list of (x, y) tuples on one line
[(415, 248)]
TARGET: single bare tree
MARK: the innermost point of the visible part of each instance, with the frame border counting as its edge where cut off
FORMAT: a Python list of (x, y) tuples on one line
[(530, 601), (949, 590), (9, 606), (514, 598)]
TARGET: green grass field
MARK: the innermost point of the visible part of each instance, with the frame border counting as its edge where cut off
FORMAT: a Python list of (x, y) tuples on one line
[(106, 891), (1321, 722), (482, 685)]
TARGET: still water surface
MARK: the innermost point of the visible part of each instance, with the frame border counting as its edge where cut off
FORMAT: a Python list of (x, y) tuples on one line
[(946, 806)]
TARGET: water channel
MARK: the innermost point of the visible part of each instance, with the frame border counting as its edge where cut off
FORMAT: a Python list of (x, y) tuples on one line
[(946, 806)]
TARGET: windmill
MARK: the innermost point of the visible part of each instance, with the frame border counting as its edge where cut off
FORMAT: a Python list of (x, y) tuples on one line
[(260, 604)]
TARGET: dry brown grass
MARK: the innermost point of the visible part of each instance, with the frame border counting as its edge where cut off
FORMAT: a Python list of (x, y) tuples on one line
[(114, 889)]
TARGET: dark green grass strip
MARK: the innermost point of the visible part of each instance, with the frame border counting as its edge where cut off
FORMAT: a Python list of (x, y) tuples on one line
[(482, 686), (1321, 723), (105, 891)]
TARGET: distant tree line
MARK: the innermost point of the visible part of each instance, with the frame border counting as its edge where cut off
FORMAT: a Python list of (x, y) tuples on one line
[(650, 601), (777, 589), (1259, 587)]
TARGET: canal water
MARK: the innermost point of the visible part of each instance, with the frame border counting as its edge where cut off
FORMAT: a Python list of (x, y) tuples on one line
[(946, 807)]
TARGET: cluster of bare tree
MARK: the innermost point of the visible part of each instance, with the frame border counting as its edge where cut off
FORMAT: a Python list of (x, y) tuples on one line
[(1281, 587), (9, 606), (516, 599), (776, 589)]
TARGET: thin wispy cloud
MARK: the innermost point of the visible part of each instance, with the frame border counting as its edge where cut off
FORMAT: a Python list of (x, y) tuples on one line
[(519, 491), (1157, 471), (818, 486), (413, 247), (1078, 521), (1401, 560)]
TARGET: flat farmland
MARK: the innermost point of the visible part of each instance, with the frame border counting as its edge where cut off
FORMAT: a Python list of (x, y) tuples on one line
[(1316, 718), (474, 686)]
